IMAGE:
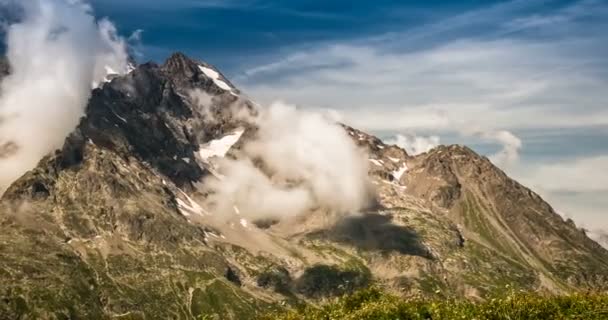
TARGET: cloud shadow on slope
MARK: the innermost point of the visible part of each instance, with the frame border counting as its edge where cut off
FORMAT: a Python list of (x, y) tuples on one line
[(375, 232)]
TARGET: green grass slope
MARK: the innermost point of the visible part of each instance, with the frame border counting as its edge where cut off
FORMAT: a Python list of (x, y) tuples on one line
[(373, 304)]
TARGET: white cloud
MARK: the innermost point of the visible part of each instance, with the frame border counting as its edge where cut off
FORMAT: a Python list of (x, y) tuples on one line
[(511, 145), (498, 84), (528, 71), (580, 175), (548, 74), (55, 53), (136, 36), (413, 144), (576, 10), (576, 189), (303, 161)]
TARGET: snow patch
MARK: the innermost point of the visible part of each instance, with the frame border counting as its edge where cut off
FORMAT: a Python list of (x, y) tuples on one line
[(243, 223), (215, 76), (110, 71), (213, 234), (376, 162), (119, 117), (219, 147), (393, 159), (110, 74), (399, 172), (216, 174), (189, 206)]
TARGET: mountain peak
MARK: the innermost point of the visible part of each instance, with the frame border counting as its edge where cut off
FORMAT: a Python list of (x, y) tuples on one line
[(120, 207), (455, 150), (179, 62), (190, 73)]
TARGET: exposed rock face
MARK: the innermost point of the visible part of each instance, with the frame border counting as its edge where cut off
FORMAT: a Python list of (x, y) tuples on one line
[(148, 114), (110, 226)]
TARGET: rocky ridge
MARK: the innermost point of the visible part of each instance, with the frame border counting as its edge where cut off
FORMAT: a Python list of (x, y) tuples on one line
[(111, 225)]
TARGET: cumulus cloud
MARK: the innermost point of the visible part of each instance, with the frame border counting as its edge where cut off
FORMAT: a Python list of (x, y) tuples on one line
[(298, 161), (541, 76), (56, 51), (489, 75), (413, 144), (511, 146)]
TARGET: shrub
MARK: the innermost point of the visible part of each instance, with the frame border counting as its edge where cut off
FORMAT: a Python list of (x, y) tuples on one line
[(325, 281), (373, 304)]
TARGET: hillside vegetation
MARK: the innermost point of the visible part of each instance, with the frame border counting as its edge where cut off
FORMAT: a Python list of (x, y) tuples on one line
[(373, 304)]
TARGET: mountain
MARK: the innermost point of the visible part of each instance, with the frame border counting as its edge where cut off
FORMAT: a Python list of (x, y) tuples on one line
[(111, 226)]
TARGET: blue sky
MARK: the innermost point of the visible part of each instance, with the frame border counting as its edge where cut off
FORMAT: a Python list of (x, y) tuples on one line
[(525, 77), (225, 32)]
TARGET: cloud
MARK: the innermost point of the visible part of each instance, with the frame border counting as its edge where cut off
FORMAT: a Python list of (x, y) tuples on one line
[(492, 80), (136, 35), (487, 74), (135, 43), (413, 144), (562, 16), (10, 13), (580, 175), (299, 161), (510, 83), (56, 51), (575, 188), (145, 6), (511, 145)]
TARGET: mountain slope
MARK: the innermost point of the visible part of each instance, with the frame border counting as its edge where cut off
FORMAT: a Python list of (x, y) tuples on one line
[(111, 225)]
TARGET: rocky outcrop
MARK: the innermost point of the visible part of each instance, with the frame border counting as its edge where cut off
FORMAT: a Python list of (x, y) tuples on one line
[(111, 225)]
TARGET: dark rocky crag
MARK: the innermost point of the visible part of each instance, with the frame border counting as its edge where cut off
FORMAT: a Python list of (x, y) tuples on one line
[(98, 229)]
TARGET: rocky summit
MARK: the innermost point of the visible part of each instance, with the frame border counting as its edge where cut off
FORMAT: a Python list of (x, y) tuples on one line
[(113, 226)]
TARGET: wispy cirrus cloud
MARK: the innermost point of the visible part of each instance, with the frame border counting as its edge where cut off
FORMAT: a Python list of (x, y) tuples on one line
[(485, 74), (510, 81), (578, 10), (177, 5)]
